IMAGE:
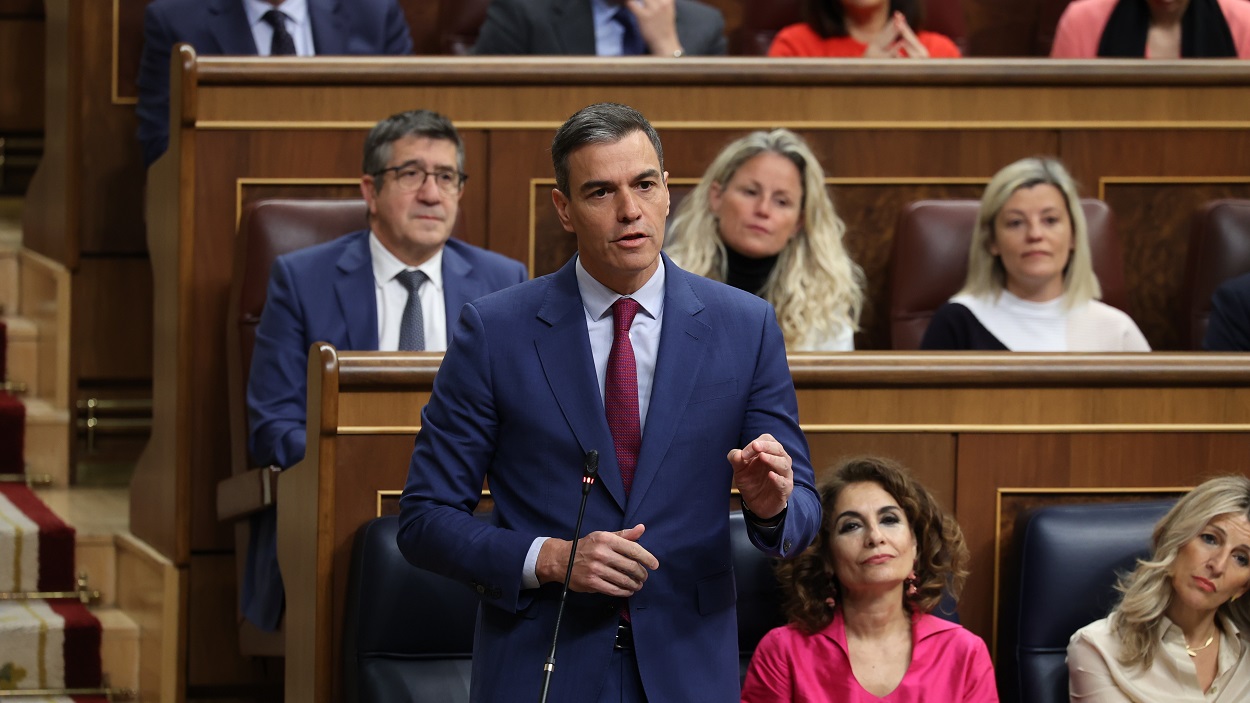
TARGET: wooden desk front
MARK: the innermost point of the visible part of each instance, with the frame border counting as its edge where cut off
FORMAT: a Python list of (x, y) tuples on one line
[(991, 435)]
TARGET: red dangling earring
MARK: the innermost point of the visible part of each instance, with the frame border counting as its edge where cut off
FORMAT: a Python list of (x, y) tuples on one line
[(911, 584)]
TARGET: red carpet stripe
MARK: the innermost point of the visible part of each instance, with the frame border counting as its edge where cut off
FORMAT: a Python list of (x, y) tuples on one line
[(82, 644), (12, 434), (56, 539)]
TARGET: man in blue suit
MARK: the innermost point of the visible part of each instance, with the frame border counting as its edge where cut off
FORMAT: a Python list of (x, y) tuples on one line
[(349, 292), (251, 28), (1228, 328), (681, 386)]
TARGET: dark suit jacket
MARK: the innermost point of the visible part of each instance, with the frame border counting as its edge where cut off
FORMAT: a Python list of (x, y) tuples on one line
[(326, 293), (567, 28), (219, 27), (1228, 328), (517, 401)]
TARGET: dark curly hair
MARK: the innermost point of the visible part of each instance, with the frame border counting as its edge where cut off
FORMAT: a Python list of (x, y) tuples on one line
[(941, 555), (828, 19)]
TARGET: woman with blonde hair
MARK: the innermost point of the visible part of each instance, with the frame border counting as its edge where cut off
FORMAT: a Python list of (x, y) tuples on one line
[(761, 220), (1180, 630), (860, 599), (1031, 283)]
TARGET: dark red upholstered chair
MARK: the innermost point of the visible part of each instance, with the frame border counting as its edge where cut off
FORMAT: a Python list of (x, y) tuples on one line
[(762, 19), (268, 229), (1219, 249), (930, 261), (458, 24)]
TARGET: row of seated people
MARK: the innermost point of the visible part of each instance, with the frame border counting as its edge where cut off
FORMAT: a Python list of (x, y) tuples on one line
[(666, 28), (761, 220), (867, 612)]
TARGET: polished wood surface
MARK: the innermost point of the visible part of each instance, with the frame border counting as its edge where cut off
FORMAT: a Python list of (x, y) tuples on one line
[(972, 427)]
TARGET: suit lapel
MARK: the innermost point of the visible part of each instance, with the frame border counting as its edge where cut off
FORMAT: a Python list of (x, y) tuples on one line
[(328, 27), (228, 24), (574, 23), (458, 286), (683, 346), (354, 289), (568, 365)]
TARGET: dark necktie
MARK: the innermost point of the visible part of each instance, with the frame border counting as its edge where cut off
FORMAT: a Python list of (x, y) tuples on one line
[(283, 44), (632, 43), (412, 324), (621, 392)]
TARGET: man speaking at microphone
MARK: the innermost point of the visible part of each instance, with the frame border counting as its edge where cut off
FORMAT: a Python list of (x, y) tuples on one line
[(681, 385)]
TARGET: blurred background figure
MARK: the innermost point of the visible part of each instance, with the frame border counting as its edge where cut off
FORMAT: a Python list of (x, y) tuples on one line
[(1228, 328), (872, 29), (1031, 283), (1153, 29), (1179, 631), (762, 221), (671, 28), (859, 601)]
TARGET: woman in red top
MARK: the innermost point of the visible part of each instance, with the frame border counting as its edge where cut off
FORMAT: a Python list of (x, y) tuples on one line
[(870, 29)]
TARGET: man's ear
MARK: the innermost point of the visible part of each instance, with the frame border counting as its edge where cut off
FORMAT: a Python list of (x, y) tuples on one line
[(562, 208), (368, 192)]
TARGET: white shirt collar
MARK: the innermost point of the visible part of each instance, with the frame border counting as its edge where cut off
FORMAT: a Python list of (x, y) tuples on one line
[(295, 10), (598, 298), (386, 266)]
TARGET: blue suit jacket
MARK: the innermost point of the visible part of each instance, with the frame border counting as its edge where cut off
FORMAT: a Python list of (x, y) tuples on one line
[(567, 28), (517, 401), (325, 293), (1228, 328), (219, 27)]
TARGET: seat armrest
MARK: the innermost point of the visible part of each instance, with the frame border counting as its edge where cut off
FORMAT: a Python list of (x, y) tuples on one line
[(249, 492)]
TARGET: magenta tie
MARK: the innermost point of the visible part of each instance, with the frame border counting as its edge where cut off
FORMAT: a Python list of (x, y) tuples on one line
[(621, 392)]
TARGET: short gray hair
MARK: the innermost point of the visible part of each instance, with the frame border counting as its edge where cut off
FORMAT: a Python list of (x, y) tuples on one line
[(601, 123), (418, 123)]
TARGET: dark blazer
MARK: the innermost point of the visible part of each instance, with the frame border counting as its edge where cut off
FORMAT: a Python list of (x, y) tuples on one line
[(567, 28), (219, 27), (1228, 328), (325, 293), (517, 401)]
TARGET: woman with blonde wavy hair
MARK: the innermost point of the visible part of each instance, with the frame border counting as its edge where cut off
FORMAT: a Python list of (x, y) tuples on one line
[(860, 599), (761, 220), (1031, 283), (1180, 631)]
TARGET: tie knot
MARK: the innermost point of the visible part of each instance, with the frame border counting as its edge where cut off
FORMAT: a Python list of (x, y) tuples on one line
[(623, 312), (411, 279), (276, 19)]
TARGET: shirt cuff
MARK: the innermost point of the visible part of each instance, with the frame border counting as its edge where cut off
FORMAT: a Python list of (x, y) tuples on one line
[(529, 571)]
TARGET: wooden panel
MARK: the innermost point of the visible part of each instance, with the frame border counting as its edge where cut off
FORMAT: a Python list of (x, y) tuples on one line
[(45, 300), (128, 15), (112, 319), (21, 74), (931, 457), (988, 463), (212, 638), (153, 593)]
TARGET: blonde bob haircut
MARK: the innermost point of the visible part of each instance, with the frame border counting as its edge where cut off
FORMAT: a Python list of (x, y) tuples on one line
[(1147, 590), (815, 288), (987, 278)]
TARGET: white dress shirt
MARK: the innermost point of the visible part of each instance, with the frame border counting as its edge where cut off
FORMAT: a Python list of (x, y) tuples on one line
[(298, 25), (392, 297)]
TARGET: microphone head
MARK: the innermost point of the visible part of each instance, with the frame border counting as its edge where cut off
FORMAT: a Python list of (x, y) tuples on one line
[(592, 463)]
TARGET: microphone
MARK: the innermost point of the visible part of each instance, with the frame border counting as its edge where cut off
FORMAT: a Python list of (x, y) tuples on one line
[(590, 471)]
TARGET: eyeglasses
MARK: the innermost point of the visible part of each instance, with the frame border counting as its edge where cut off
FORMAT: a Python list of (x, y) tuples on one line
[(410, 177)]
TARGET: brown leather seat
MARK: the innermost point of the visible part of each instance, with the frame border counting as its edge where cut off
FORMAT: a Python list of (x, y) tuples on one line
[(268, 229), (458, 24), (930, 261), (762, 19), (1219, 249)]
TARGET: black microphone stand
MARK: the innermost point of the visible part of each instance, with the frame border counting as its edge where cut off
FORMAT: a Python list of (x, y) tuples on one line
[(589, 472)]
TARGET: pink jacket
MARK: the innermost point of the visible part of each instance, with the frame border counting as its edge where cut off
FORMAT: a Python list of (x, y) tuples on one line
[(1080, 27), (948, 663)]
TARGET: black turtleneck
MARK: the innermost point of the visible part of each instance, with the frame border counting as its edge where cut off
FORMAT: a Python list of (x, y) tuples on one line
[(746, 273)]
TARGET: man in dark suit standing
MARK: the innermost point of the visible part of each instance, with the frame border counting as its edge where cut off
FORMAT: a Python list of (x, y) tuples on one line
[(398, 285), (255, 28), (665, 374), (671, 28)]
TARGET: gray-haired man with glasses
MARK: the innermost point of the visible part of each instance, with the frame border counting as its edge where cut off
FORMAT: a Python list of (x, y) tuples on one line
[(398, 285)]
